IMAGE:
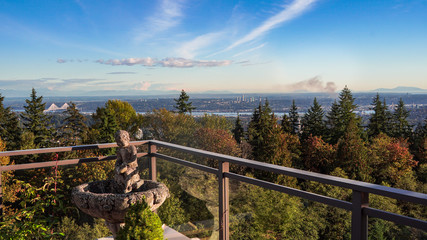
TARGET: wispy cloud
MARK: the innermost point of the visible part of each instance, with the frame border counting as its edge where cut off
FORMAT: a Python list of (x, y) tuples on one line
[(167, 62), (168, 15), (190, 49), (249, 50), (185, 63), (248, 63), (121, 73), (62, 60), (53, 83), (290, 12)]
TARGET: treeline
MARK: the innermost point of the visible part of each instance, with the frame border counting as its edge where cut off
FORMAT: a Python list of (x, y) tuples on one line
[(387, 151)]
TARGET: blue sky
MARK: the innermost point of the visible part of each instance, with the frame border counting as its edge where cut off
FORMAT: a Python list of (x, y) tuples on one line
[(88, 47)]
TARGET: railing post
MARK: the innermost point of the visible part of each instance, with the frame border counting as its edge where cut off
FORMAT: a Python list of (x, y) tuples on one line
[(359, 221), (152, 167), (1, 196), (223, 201)]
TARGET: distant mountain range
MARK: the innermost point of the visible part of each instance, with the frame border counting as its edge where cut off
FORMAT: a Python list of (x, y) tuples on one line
[(401, 89), (175, 93)]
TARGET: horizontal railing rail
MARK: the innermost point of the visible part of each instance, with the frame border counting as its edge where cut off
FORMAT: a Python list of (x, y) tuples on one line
[(360, 200), (400, 194)]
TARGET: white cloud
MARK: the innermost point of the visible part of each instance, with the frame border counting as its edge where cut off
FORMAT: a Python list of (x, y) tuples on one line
[(168, 15), (167, 62), (142, 86), (288, 13), (128, 61)]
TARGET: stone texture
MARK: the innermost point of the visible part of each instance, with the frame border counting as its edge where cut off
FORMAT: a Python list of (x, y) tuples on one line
[(96, 199), (126, 174), (110, 199)]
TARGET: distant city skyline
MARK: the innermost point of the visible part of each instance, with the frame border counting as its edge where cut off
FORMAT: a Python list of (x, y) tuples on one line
[(151, 47)]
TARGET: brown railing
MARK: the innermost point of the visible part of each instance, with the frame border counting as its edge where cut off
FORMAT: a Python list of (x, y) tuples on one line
[(359, 206)]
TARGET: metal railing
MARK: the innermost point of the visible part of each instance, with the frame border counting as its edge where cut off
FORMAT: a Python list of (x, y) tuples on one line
[(359, 206)]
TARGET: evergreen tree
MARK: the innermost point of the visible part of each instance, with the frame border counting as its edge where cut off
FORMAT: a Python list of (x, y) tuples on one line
[(378, 122), (401, 127), (268, 140), (388, 119), (260, 127), (182, 103), (286, 124), (312, 122), (105, 125), (341, 114), (352, 154), (294, 118), (36, 121), (10, 131), (74, 128), (238, 130), (332, 115), (419, 143)]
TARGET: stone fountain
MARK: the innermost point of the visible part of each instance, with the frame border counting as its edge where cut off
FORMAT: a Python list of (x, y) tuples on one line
[(110, 199)]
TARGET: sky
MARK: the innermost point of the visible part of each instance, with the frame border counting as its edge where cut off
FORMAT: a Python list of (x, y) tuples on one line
[(104, 47)]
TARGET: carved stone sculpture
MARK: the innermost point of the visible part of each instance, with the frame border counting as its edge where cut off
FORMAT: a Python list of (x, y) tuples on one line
[(126, 168), (110, 199)]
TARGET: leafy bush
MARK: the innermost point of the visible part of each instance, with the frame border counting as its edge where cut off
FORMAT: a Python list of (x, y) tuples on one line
[(74, 231), (37, 215), (141, 223)]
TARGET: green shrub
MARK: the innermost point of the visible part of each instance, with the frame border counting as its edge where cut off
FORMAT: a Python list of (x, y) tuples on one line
[(141, 223), (74, 231)]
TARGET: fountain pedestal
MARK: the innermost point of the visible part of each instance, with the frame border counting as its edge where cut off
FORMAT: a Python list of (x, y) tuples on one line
[(110, 199), (98, 200)]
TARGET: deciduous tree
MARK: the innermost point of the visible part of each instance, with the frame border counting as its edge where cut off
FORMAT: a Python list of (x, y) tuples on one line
[(317, 155), (126, 116), (171, 127), (390, 159)]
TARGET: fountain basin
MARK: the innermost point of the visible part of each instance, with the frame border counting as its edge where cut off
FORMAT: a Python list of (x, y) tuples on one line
[(98, 199)]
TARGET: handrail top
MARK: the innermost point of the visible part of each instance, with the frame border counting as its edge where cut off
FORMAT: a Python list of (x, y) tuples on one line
[(65, 149)]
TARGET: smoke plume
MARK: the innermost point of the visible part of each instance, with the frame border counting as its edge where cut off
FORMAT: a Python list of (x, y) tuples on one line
[(314, 84)]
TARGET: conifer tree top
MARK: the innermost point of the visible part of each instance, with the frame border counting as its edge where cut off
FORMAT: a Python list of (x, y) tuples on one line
[(182, 103)]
